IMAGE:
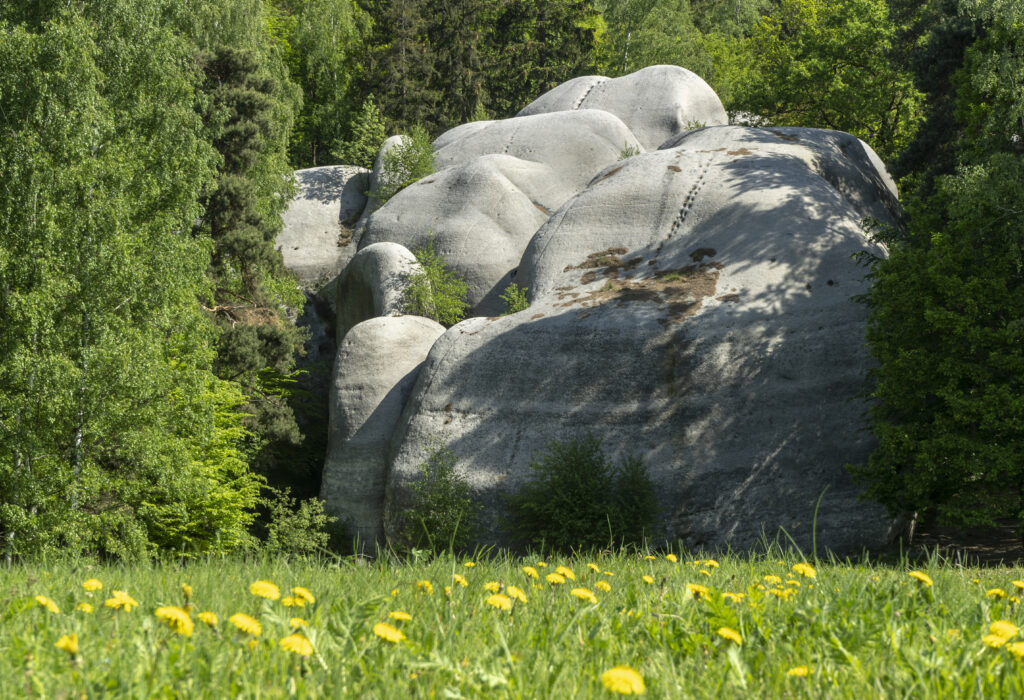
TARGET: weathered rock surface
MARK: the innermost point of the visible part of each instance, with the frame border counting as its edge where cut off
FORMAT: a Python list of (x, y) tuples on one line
[(692, 306), (373, 284), (656, 103), (377, 363)]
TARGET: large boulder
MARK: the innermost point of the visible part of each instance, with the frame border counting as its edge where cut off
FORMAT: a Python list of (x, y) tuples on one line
[(376, 367), (374, 284), (692, 306), (656, 103)]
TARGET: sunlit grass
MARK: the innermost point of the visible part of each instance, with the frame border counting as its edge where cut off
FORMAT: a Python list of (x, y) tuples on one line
[(768, 625)]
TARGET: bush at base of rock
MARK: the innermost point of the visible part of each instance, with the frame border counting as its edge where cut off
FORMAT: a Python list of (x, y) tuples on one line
[(442, 511), (577, 499), (437, 292)]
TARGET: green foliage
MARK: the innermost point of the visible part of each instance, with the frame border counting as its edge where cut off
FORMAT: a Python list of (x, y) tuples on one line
[(403, 164), (437, 292), (294, 527), (575, 499), (368, 133), (628, 151), (515, 299), (442, 513)]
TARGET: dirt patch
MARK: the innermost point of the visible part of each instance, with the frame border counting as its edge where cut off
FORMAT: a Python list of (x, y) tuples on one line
[(740, 152), (675, 168), (344, 235)]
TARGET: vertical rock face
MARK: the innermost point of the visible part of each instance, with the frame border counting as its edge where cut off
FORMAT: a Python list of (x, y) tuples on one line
[(690, 304)]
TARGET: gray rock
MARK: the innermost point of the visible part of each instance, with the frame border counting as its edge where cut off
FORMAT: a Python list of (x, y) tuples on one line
[(377, 363), (316, 241), (481, 213), (373, 284), (375, 178), (692, 306), (656, 103)]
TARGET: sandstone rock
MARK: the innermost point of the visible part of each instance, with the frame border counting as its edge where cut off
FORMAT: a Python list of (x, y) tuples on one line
[(691, 306), (377, 364), (656, 103), (373, 284), (481, 213)]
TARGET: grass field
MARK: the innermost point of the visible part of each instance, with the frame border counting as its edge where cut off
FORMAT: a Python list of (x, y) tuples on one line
[(768, 625)]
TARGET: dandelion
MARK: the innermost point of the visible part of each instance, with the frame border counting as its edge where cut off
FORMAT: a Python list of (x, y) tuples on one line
[(953, 633), (696, 590), (531, 572), (297, 644), (734, 597), (772, 579), (647, 578), (84, 607), (541, 564), (517, 593), (68, 643), (499, 601), (584, 594), (303, 594), (1017, 649), (993, 640), (290, 601), (607, 573), (469, 564), (400, 615), (1019, 584), (995, 593), (805, 570), (492, 586), (650, 557), (705, 572), (1004, 628), (208, 618), (47, 603), (730, 634), (555, 579), (594, 567), (425, 587), (460, 579), (623, 680), (186, 591), (783, 593), (297, 622), (92, 584), (249, 625), (121, 601), (672, 557), (921, 576), (265, 589), (711, 562), (394, 592), (603, 586), (177, 619), (566, 571), (447, 591), (799, 671), (792, 582)]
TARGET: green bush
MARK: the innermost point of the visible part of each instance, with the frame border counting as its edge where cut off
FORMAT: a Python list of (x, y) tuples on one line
[(296, 527), (368, 132), (438, 292), (404, 164), (442, 512), (515, 299), (577, 499)]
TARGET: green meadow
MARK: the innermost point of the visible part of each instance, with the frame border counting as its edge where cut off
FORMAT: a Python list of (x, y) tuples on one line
[(666, 625)]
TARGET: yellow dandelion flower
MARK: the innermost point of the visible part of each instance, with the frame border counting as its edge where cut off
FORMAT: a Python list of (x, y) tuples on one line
[(772, 579), (995, 593), (566, 571), (244, 623), (531, 572), (47, 603), (953, 633), (1004, 628), (696, 590), (584, 594), (975, 580), (387, 632), (425, 587), (68, 643), (290, 601), (541, 564), (303, 594), (650, 557), (921, 576), (92, 584), (711, 562), (994, 640), (734, 597), (469, 564), (800, 671), (447, 591), (517, 593), (252, 644), (84, 607), (730, 634), (492, 586), (555, 579), (594, 567), (460, 579), (177, 619), (607, 573), (805, 570), (672, 557), (265, 589), (1014, 599), (623, 680), (208, 618), (394, 592), (1019, 584), (400, 615), (186, 591), (121, 601), (603, 586), (297, 622), (705, 572), (783, 593), (647, 578), (499, 601), (297, 644), (1017, 649), (792, 582)]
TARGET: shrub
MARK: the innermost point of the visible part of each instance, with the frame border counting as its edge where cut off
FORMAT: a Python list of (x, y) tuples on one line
[(438, 292), (577, 499), (442, 512), (515, 299), (296, 527), (404, 164), (368, 132)]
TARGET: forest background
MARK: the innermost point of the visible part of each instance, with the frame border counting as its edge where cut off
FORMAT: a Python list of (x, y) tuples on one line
[(149, 397)]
